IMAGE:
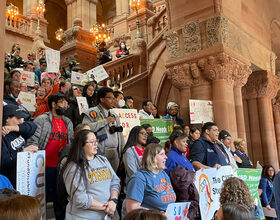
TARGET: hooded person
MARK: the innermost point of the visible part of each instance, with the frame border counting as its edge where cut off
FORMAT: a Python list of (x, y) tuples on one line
[(15, 132), (172, 113)]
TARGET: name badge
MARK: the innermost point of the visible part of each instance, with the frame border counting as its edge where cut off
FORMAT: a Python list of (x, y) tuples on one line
[(210, 150)]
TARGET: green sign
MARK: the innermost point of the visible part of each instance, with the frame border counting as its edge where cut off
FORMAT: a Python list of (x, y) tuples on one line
[(252, 178), (162, 128)]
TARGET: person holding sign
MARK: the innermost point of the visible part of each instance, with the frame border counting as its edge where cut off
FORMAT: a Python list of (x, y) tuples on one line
[(204, 152), (150, 188), (15, 132), (91, 183)]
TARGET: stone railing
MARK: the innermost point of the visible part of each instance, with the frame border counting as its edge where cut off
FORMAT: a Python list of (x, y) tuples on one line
[(19, 24), (123, 68), (157, 23)]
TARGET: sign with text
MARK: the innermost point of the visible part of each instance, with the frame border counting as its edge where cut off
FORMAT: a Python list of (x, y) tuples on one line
[(28, 78), (82, 103), (128, 118), (78, 78), (209, 184), (162, 128), (177, 211), (201, 111), (99, 73), (31, 176), (252, 178), (28, 100), (53, 60)]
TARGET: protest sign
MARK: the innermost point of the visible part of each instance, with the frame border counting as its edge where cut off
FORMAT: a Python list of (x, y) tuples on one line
[(83, 104), (78, 78), (28, 78), (53, 60), (252, 178), (98, 72), (128, 118), (31, 176), (201, 111), (177, 211), (162, 128), (28, 100), (209, 184)]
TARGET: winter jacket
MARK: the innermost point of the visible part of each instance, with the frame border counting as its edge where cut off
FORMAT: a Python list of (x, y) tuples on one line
[(145, 115)]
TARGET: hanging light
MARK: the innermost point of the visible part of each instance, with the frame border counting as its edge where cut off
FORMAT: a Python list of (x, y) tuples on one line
[(58, 34), (40, 11), (100, 33), (12, 10)]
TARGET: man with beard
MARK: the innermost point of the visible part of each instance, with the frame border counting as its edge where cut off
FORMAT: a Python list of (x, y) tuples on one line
[(54, 131), (172, 111), (106, 123)]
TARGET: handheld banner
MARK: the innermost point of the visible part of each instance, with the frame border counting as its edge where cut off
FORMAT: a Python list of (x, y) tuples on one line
[(53, 60), (83, 104), (78, 78), (177, 211), (201, 111), (99, 73), (28, 78), (28, 100)]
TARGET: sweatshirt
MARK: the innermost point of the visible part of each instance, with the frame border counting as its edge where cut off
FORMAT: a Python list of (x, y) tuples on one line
[(99, 182), (145, 115), (13, 143)]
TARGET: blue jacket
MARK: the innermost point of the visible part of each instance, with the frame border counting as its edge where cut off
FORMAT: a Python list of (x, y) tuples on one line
[(178, 120), (13, 143), (207, 153), (175, 158), (276, 189), (267, 190)]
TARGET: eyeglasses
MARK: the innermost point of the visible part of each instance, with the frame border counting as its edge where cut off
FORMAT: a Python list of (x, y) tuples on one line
[(94, 143), (144, 134), (108, 97)]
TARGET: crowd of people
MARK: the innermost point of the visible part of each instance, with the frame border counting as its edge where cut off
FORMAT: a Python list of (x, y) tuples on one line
[(93, 173)]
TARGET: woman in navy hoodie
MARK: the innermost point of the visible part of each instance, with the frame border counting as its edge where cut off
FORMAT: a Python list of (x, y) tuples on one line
[(15, 132)]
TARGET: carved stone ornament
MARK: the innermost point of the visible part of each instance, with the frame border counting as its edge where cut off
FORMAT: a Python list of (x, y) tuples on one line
[(180, 76), (261, 84), (191, 37), (241, 74), (216, 31), (172, 44)]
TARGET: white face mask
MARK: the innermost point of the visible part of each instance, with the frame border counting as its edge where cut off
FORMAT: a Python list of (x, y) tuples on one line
[(121, 103)]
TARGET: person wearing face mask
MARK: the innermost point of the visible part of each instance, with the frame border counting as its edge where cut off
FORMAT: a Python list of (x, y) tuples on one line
[(172, 113), (54, 131), (11, 92), (119, 99), (123, 51)]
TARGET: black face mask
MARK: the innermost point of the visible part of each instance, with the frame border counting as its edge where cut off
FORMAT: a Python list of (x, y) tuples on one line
[(150, 133), (60, 111)]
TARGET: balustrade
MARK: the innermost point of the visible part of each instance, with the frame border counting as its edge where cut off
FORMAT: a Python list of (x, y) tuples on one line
[(19, 24)]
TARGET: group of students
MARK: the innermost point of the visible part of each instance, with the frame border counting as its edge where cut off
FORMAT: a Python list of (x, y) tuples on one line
[(92, 173)]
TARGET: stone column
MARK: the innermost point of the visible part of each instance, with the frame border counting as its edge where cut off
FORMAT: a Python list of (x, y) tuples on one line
[(276, 117), (28, 7), (220, 69), (263, 86), (240, 79), (182, 80)]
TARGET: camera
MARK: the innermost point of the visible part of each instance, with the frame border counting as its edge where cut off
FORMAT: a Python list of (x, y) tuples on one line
[(114, 129)]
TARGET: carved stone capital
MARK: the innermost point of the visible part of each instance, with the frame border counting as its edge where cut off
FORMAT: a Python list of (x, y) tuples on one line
[(241, 74), (68, 2), (219, 67), (172, 44), (191, 37), (261, 84), (180, 76), (276, 103)]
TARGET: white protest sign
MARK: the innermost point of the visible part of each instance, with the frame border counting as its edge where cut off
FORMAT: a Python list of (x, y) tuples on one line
[(53, 60), (99, 73), (28, 100), (209, 184), (28, 78), (177, 211), (83, 104), (201, 111), (129, 118), (31, 176), (78, 78)]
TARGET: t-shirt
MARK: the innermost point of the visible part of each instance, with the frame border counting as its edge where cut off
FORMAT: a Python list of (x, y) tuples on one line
[(57, 141), (139, 152), (5, 183), (153, 191)]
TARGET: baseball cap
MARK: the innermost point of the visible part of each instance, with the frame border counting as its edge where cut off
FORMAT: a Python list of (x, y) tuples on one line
[(223, 134), (12, 110)]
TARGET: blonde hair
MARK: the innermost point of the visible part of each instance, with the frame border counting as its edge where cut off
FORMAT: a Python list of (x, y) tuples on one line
[(238, 142), (149, 161), (47, 78)]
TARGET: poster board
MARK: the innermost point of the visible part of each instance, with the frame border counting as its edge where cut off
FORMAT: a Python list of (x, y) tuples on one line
[(201, 111), (78, 78), (28, 100), (82, 104), (177, 210), (28, 78), (99, 73), (162, 128), (129, 118), (53, 60), (31, 176)]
